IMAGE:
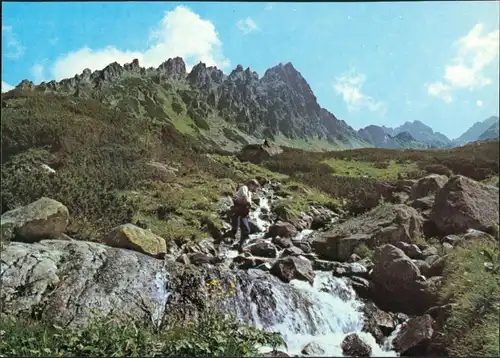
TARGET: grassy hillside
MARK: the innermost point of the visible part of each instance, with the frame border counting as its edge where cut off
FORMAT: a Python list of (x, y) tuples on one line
[(101, 158), (122, 166)]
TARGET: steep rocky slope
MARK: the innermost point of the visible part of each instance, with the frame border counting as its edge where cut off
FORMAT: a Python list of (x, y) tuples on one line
[(475, 131), (231, 110), (491, 133)]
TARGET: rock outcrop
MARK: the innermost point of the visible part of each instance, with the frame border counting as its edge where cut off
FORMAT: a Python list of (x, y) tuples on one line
[(428, 185), (383, 224), (464, 204), (377, 322), (282, 229), (64, 280), (415, 336), (258, 153), (398, 285), (313, 349)]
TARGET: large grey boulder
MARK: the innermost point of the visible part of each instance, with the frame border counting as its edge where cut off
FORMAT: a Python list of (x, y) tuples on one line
[(65, 280), (415, 336), (353, 345), (428, 185), (398, 285), (384, 224), (282, 229), (293, 268)]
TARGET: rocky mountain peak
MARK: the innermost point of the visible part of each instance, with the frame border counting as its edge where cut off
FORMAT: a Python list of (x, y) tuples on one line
[(112, 72), (203, 76), (133, 66), (173, 68), (26, 85), (289, 76)]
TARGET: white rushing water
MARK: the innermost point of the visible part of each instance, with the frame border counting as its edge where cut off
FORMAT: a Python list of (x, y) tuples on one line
[(337, 312), (329, 309), (333, 312)]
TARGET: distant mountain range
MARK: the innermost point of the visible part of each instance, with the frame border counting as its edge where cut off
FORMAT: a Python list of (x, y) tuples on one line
[(409, 135), (233, 110), (418, 135), (379, 137)]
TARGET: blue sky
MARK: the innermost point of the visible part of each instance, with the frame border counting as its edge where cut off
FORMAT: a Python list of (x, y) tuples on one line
[(368, 63)]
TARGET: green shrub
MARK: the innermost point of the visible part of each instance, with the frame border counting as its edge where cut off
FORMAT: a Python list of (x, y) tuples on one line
[(363, 251)]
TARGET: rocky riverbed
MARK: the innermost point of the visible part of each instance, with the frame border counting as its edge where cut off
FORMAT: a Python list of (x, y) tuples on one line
[(307, 279)]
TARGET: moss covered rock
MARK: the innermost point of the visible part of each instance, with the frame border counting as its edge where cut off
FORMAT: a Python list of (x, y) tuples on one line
[(132, 237)]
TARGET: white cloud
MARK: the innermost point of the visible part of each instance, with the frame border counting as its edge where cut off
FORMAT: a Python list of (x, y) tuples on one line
[(247, 25), (6, 87), (14, 48), (269, 6), (475, 52), (349, 86), (38, 73), (479, 103), (181, 33), (440, 90)]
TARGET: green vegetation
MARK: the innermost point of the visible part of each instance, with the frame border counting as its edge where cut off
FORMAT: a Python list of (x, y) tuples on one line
[(214, 334), (381, 170), (494, 181), (361, 177), (473, 284), (294, 197), (363, 251), (100, 156)]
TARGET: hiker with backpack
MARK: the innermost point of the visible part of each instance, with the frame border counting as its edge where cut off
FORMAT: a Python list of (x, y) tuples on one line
[(241, 211)]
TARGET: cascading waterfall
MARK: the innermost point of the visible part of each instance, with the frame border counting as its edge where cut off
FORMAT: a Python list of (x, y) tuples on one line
[(323, 313)]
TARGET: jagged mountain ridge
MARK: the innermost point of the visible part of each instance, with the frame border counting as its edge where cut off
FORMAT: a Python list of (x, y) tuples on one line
[(281, 103)]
